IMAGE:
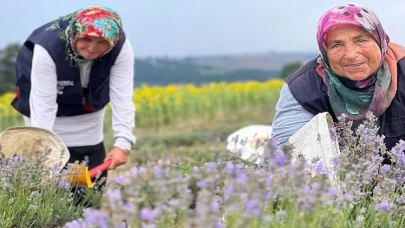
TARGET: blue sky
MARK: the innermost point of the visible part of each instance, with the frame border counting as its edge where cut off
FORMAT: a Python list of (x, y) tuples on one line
[(181, 28)]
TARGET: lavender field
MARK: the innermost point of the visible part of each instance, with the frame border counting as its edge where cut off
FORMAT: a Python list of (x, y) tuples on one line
[(205, 186), (180, 175), (226, 192)]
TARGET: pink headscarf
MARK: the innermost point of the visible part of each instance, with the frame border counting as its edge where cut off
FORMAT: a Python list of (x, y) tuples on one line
[(351, 14), (350, 97)]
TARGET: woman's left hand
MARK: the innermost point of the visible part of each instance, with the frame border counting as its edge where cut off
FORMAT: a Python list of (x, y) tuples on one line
[(117, 156)]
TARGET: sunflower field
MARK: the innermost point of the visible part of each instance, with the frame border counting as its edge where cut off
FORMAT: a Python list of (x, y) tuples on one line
[(161, 105)]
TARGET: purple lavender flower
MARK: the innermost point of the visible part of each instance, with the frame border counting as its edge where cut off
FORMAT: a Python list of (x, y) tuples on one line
[(279, 160), (274, 143), (253, 207), (267, 196), (228, 192), (158, 172), (384, 206), (332, 193), (76, 224), (202, 184), (242, 178), (96, 218), (400, 200), (240, 166), (397, 153), (238, 169), (214, 206), (229, 167), (13, 161), (307, 196), (129, 207), (384, 170), (134, 171), (56, 166), (144, 225), (148, 214), (348, 197), (113, 194), (269, 181), (354, 138), (335, 162), (319, 168), (63, 183), (399, 180), (122, 180), (211, 166), (333, 133), (142, 171)]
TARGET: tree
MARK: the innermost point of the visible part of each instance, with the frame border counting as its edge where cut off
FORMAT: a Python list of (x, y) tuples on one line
[(7, 67), (290, 68)]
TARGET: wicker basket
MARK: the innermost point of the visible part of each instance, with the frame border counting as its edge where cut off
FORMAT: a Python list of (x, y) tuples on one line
[(34, 143)]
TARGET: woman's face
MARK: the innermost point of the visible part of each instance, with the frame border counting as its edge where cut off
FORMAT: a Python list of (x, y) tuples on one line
[(92, 47), (352, 53)]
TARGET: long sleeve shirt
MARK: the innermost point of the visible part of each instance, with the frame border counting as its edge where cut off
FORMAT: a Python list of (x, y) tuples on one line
[(290, 116), (87, 129)]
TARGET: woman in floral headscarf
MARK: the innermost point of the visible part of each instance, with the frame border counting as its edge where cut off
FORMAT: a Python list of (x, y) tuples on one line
[(67, 72), (358, 71)]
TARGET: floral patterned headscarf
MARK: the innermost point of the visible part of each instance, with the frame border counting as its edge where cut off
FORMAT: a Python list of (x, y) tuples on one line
[(356, 98), (351, 14), (93, 21)]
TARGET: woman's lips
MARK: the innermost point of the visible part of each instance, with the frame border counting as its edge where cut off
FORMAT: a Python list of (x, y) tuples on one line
[(354, 65)]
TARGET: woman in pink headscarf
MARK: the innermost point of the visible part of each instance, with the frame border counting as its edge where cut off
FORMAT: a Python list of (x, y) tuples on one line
[(358, 71)]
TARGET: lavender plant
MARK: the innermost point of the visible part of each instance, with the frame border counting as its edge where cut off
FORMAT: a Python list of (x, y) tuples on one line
[(31, 197), (278, 193)]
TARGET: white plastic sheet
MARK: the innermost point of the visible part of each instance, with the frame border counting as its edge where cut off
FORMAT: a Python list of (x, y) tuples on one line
[(249, 142), (312, 142)]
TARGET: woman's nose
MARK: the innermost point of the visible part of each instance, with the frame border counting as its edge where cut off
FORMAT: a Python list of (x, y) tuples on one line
[(351, 51), (92, 47)]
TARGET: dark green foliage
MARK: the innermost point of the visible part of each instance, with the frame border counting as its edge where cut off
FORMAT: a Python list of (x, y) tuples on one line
[(290, 68)]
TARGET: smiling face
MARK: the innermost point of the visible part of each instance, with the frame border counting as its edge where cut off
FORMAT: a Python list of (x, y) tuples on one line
[(352, 53), (91, 48)]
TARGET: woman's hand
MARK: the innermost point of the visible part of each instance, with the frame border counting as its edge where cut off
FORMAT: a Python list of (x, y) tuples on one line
[(118, 156)]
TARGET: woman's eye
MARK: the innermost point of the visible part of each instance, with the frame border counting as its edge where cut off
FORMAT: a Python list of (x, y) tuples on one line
[(336, 45)]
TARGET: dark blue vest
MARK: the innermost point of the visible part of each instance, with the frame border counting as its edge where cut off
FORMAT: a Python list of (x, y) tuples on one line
[(72, 99), (309, 90)]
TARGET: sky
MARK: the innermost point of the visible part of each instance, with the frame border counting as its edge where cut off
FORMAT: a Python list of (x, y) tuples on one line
[(181, 28)]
